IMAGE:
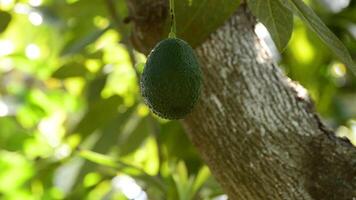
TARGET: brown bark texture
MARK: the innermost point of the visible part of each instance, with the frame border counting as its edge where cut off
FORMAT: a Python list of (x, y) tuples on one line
[(257, 130)]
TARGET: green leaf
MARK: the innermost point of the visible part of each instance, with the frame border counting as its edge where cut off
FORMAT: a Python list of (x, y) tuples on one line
[(12, 135), (134, 138), (15, 171), (111, 132), (76, 46), (5, 19), (182, 181), (196, 19), (72, 69), (172, 132), (188, 186), (182, 172), (318, 26), (277, 19), (98, 115), (95, 87), (126, 168), (98, 158), (200, 180), (108, 135)]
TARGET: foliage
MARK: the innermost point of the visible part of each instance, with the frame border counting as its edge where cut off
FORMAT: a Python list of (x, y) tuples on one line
[(196, 27), (73, 124), (277, 18)]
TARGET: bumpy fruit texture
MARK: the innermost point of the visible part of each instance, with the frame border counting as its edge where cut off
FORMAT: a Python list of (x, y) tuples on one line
[(171, 80)]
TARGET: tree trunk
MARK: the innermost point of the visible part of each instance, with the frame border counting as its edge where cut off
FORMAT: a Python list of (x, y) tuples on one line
[(257, 130)]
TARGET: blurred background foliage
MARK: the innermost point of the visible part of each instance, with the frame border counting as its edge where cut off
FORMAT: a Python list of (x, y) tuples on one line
[(73, 126)]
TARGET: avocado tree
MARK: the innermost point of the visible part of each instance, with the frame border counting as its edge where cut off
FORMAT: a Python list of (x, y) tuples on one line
[(75, 76), (256, 129)]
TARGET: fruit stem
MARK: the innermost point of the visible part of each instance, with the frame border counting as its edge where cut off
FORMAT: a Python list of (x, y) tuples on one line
[(172, 34)]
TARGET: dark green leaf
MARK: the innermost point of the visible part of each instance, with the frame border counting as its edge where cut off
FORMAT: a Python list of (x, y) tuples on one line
[(95, 87), (5, 19), (70, 70), (318, 26), (113, 130), (77, 46), (196, 19), (12, 136), (134, 138), (108, 138), (277, 19), (99, 113), (173, 138), (78, 20)]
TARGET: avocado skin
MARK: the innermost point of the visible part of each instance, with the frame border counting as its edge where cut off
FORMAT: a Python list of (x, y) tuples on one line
[(171, 80)]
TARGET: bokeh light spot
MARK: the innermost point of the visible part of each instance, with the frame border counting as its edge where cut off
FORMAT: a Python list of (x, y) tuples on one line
[(33, 51), (35, 18)]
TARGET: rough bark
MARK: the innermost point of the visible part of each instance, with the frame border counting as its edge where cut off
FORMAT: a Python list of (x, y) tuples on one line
[(257, 130)]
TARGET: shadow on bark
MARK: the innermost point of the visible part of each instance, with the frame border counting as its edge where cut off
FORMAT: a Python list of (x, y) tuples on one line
[(331, 170)]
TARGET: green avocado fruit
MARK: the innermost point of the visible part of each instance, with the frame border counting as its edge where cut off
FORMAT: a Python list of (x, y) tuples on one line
[(171, 79)]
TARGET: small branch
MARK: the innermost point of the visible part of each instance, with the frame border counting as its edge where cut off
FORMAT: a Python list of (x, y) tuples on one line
[(113, 13), (118, 165), (173, 32)]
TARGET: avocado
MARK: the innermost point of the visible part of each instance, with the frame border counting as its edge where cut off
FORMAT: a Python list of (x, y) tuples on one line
[(171, 80)]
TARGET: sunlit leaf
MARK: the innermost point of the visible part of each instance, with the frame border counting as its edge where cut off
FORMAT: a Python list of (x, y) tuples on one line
[(201, 178), (12, 136), (277, 19), (120, 166), (182, 171), (187, 185), (318, 26), (99, 158), (14, 171), (181, 179)]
